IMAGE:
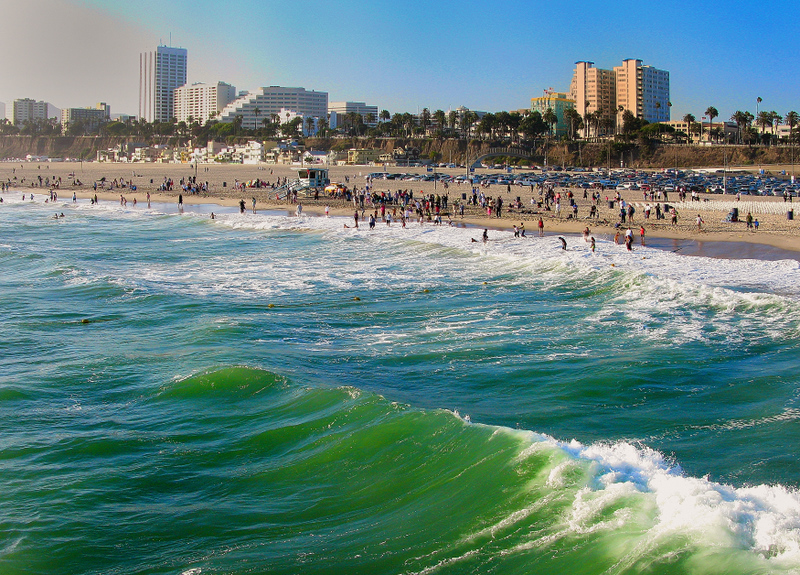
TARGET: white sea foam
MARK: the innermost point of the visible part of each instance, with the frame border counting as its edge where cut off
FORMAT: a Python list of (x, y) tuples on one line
[(623, 483)]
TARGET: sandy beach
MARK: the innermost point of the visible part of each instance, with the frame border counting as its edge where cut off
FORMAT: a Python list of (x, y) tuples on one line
[(775, 229)]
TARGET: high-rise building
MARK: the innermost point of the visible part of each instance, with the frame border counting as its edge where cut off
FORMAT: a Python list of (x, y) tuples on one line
[(559, 102), (338, 110), (24, 109), (270, 102), (593, 90), (643, 90), (2, 111), (202, 101), (159, 74)]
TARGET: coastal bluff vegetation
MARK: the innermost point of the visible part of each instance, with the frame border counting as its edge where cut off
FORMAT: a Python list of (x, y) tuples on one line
[(645, 154)]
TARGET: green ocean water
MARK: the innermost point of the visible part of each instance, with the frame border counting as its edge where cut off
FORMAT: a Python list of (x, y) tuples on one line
[(263, 394)]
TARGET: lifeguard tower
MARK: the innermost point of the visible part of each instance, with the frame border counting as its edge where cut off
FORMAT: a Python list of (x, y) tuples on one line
[(313, 177)]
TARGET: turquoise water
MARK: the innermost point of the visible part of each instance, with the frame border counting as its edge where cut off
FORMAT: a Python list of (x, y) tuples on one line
[(267, 394)]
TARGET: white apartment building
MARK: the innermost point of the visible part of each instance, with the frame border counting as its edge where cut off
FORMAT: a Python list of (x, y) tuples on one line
[(2, 111), (268, 103), (643, 90), (24, 109), (338, 110), (159, 74), (202, 101)]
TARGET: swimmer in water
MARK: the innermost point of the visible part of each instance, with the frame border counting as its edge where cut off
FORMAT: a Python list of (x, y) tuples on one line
[(563, 243), (485, 235), (593, 246)]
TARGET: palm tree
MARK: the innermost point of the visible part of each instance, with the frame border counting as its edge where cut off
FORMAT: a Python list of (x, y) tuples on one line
[(712, 113), (763, 120), (741, 120), (690, 120), (792, 120), (441, 119), (256, 113), (550, 118), (452, 118), (425, 119), (384, 115), (309, 125)]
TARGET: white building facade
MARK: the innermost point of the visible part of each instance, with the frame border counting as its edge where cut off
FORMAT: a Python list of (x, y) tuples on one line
[(159, 74), (202, 101), (27, 109), (269, 102), (338, 110)]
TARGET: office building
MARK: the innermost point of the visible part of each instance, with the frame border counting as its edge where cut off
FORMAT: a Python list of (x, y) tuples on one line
[(160, 73), (2, 111), (200, 102), (269, 102), (559, 102), (26, 109), (643, 90), (90, 118), (339, 110)]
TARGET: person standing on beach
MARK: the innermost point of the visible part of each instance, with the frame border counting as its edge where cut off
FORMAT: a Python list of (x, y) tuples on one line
[(180, 201), (700, 222), (355, 217), (541, 228), (254, 204), (641, 234), (749, 220), (241, 206)]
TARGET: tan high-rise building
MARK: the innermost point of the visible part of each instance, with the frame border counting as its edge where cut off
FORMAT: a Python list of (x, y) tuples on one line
[(593, 89), (643, 90)]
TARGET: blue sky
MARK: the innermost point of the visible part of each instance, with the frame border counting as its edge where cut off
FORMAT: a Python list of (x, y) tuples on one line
[(404, 56)]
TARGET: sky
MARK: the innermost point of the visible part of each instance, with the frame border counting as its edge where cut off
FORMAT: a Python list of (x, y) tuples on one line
[(404, 56)]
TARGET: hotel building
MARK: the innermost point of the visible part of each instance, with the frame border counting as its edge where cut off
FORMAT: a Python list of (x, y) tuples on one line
[(559, 102), (272, 101), (338, 110), (202, 101)]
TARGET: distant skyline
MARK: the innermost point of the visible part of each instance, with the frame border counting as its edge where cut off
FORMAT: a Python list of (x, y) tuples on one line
[(403, 57)]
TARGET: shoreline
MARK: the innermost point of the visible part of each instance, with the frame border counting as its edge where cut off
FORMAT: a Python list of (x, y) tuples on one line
[(713, 245), (776, 230)]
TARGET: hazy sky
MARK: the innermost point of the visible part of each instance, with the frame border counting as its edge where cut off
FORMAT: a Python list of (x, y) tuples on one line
[(404, 56)]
